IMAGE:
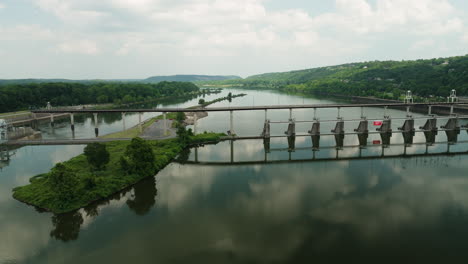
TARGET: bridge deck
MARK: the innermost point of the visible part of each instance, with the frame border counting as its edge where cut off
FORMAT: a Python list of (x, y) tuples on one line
[(245, 108)]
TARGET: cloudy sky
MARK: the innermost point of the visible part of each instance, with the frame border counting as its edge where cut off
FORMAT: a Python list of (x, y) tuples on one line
[(85, 39)]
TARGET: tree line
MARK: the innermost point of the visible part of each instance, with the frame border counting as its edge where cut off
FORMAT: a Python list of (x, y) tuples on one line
[(15, 97), (430, 78)]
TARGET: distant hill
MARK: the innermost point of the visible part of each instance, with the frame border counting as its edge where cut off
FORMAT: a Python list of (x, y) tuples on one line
[(190, 78), (30, 81), (385, 79)]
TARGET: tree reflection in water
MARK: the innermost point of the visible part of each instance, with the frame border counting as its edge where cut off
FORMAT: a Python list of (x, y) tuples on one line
[(67, 226), (143, 197)]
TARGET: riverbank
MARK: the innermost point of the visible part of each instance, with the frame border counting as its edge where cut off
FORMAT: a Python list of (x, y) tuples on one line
[(92, 185)]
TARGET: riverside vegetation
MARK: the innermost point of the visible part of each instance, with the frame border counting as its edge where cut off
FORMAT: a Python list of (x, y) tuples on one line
[(431, 79), (14, 97), (105, 169)]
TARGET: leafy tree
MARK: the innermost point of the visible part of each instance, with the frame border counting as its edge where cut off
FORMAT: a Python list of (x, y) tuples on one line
[(63, 182), (201, 101), (139, 158), (180, 117), (97, 155)]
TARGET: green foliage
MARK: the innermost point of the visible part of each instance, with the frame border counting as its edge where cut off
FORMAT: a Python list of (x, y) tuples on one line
[(81, 185), (385, 79), (201, 101), (63, 182), (180, 117), (35, 95), (138, 158), (97, 155)]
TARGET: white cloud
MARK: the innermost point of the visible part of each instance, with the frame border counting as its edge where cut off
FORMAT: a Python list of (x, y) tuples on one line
[(86, 47), (2, 6), (201, 35)]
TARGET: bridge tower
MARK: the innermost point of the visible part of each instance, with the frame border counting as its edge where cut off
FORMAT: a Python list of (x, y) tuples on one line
[(408, 98), (453, 97)]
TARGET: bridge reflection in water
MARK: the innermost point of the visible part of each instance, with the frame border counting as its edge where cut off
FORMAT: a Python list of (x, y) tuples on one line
[(378, 150)]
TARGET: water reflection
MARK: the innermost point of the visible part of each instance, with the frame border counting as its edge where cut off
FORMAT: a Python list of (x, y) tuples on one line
[(365, 211), (143, 197), (67, 226)]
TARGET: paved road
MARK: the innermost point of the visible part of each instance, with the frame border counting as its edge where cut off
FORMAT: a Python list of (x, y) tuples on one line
[(156, 130)]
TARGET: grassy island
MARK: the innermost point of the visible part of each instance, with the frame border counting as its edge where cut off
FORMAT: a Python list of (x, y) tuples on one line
[(86, 184)]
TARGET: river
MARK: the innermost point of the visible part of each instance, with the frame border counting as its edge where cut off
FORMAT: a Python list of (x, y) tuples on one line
[(323, 211)]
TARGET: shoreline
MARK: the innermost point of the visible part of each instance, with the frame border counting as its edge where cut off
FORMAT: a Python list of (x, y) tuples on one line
[(39, 199)]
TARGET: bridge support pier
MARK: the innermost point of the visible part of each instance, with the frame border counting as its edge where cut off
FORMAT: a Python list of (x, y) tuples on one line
[(266, 145), (231, 123), (291, 143), (315, 133), (363, 132), (291, 128), (96, 125), (232, 151), (140, 125), (386, 131), (52, 122), (123, 121), (430, 130), (452, 129), (408, 131), (72, 121), (165, 123), (339, 133), (266, 129), (316, 142), (195, 119)]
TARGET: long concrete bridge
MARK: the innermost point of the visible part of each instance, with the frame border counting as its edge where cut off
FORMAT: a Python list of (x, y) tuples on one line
[(452, 128)]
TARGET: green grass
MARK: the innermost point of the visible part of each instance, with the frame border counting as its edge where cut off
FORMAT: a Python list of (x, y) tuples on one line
[(135, 131), (107, 182), (15, 114)]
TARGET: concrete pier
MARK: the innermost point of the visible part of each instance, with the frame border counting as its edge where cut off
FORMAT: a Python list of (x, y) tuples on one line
[(165, 123), (266, 129), (315, 131), (291, 144), (291, 128), (339, 128), (266, 145), (315, 142), (231, 123), (363, 132), (452, 129), (123, 120), (72, 121), (140, 125), (96, 124), (195, 119), (52, 122), (408, 131)]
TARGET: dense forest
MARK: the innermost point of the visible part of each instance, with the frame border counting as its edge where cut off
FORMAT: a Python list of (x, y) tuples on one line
[(385, 79), (190, 78), (15, 97)]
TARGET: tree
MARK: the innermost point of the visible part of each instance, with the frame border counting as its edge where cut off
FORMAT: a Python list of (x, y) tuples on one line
[(97, 155), (63, 182), (201, 101), (139, 158), (180, 117)]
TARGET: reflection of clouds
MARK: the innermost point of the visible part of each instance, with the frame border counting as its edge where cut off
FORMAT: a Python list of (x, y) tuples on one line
[(23, 234), (180, 185)]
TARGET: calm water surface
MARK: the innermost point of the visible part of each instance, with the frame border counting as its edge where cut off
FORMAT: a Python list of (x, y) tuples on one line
[(366, 210)]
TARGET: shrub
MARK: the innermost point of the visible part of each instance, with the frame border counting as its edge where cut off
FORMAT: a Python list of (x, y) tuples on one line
[(97, 155), (139, 158), (63, 182)]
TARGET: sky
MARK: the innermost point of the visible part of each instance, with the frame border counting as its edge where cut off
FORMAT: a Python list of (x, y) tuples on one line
[(131, 39)]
